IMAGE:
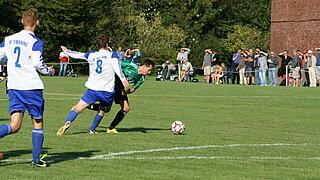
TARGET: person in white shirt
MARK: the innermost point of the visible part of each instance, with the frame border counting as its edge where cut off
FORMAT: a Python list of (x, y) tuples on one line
[(103, 66), (23, 51)]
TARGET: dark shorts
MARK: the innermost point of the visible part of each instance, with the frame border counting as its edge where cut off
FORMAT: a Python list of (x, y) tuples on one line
[(118, 94)]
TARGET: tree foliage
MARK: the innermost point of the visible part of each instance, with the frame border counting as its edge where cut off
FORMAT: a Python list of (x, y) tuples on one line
[(158, 27)]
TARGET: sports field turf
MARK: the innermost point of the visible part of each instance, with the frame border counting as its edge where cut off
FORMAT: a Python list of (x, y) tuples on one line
[(232, 132)]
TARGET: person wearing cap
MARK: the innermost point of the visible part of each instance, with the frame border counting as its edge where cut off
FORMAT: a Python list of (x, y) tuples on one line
[(311, 61)]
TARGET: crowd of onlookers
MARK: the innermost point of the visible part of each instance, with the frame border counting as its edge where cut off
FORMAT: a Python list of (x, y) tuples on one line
[(298, 69), (249, 67)]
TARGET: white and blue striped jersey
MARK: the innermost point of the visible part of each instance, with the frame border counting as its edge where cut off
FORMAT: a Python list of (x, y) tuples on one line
[(103, 65), (24, 53)]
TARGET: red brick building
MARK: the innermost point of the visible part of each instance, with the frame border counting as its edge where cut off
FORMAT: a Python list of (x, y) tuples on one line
[(295, 24)]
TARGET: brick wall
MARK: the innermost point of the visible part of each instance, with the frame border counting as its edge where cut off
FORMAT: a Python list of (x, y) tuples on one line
[(295, 24)]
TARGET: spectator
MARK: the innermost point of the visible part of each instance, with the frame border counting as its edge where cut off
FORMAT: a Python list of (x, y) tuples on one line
[(311, 61), (182, 55), (273, 61), (318, 66), (285, 59), (262, 67), (171, 69), (120, 53), (127, 55), (165, 70), (241, 68), (217, 74), (206, 65), (256, 67), (235, 62), (136, 56), (295, 67), (64, 60), (305, 71), (250, 67), (186, 71)]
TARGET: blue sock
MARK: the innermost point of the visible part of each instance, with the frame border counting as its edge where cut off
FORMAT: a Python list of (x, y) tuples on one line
[(5, 129), (96, 122), (72, 116), (37, 142)]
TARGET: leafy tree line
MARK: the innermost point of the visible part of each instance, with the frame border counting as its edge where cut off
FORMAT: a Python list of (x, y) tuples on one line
[(159, 28)]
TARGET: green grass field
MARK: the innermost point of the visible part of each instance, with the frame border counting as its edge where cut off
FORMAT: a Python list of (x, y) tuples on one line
[(232, 132)]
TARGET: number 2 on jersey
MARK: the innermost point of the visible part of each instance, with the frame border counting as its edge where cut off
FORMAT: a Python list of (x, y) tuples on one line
[(99, 66), (17, 51)]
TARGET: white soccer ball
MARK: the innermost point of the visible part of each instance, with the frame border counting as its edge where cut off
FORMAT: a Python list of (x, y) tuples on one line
[(177, 127)]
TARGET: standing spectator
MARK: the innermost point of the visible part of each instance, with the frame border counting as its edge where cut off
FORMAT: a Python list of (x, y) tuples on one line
[(136, 56), (305, 70), (120, 54), (318, 66), (64, 60), (256, 67), (165, 70), (250, 67), (25, 89), (235, 62), (127, 55), (263, 66), (295, 67), (285, 59), (206, 65), (312, 60), (272, 66), (182, 55), (241, 68)]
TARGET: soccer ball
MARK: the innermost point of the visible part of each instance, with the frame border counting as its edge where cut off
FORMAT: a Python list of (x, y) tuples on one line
[(177, 127)]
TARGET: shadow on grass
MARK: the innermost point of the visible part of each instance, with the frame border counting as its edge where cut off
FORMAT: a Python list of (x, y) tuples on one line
[(141, 129), (52, 158), (134, 129)]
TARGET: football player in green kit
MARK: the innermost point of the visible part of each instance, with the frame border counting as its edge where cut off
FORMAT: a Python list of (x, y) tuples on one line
[(135, 75)]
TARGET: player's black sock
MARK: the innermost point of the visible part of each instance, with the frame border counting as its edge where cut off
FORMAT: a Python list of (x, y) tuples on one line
[(94, 107), (120, 115)]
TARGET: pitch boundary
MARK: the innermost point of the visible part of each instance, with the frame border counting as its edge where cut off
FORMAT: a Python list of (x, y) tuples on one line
[(120, 155)]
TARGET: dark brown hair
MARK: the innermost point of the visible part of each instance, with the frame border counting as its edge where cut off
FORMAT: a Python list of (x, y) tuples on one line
[(102, 41)]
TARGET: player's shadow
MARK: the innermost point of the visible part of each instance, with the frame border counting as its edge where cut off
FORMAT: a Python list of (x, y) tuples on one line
[(54, 158), (6, 160), (141, 129)]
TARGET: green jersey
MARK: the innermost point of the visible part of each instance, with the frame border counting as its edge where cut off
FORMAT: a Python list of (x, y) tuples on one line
[(130, 71)]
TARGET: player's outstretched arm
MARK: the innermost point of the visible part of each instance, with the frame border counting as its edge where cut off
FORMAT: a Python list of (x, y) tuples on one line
[(73, 54)]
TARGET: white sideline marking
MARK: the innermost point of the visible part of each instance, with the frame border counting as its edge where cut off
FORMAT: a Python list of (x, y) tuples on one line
[(207, 157), (114, 154), (117, 155)]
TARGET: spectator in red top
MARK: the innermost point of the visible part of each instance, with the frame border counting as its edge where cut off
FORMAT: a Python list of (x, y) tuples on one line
[(64, 60)]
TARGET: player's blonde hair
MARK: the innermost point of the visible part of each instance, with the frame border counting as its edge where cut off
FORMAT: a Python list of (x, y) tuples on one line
[(30, 17)]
